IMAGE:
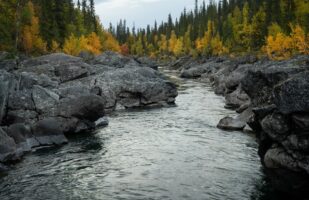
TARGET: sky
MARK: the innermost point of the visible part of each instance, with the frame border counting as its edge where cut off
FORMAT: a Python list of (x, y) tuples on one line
[(140, 12)]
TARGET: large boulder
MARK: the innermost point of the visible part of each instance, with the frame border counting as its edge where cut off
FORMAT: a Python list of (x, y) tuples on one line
[(57, 66), (261, 79), (49, 131), (90, 107), (293, 94)]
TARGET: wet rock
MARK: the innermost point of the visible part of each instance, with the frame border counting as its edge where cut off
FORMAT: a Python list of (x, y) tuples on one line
[(276, 126), (49, 131), (293, 94), (236, 99), (7, 147), (277, 157), (23, 138), (248, 129), (237, 123), (263, 111), (102, 122), (90, 107), (3, 168), (229, 123)]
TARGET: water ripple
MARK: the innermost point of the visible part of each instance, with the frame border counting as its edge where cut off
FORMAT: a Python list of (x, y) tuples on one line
[(166, 153)]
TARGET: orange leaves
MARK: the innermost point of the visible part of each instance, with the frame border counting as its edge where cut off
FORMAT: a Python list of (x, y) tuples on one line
[(300, 42), (210, 44), (281, 46), (94, 44), (74, 45), (218, 47), (27, 42), (110, 43), (124, 49), (31, 41)]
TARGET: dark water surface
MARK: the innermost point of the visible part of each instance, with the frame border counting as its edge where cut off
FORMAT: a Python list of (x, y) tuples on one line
[(164, 153)]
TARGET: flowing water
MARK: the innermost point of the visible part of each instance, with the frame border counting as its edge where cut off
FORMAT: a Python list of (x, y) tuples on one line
[(163, 153)]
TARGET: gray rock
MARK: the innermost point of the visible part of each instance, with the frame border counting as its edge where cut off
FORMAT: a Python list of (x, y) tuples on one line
[(70, 72), (7, 85), (49, 131), (236, 99), (102, 122), (23, 138), (90, 107), (21, 100), (301, 122), (229, 123), (3, 168), (29, 79), (45, 100), (237, 123), (299, 142), (277, 157), (147, 62), (7, 147), (74, 91), (113, 59), (293, 94), (21, 116), (57, 66), (276, 126)]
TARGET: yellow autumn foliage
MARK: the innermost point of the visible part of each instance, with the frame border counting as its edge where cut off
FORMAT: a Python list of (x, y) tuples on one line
[(75, 45), (300, 43), (55, 47), (281, 46), (31, 41)]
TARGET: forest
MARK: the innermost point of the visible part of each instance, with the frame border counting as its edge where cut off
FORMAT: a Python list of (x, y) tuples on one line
[(276, 28)]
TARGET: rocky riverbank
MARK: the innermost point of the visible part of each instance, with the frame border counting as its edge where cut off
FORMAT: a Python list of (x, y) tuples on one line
[(44, 99), (272, 99)]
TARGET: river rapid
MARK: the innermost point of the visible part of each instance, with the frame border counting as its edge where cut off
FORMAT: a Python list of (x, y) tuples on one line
[(161, 153)]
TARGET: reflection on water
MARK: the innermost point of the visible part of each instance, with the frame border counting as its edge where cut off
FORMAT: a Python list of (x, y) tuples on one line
[(165, 153)]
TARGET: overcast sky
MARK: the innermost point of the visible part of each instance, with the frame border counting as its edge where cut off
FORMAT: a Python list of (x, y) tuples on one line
[(140, 12)]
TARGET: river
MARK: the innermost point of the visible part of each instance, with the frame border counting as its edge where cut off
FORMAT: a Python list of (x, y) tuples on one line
[(162, 153)]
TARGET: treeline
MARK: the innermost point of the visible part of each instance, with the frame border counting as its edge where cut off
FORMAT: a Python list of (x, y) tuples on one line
[(41, 26), (276, 27)]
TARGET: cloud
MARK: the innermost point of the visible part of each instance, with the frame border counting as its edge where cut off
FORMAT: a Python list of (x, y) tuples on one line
[(140, 12)]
